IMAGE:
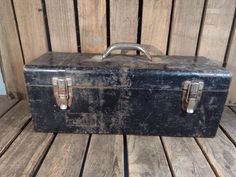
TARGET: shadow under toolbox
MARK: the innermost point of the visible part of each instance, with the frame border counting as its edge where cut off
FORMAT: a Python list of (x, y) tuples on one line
[(166, 95)]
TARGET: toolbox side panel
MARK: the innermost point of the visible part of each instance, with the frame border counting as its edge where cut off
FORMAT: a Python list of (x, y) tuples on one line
[(129, 111)]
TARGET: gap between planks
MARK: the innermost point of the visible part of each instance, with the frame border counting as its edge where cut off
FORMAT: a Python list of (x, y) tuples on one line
[(12, 124), (228, 124), (146, 157), (6, 104), (65, 156), (25, 153), (220, 153)]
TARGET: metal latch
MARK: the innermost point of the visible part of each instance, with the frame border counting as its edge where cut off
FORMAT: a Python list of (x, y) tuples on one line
[(62, 89), (192, 92)]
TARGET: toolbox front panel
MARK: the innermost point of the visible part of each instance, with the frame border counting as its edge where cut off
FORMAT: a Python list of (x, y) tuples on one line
[(126, 110)]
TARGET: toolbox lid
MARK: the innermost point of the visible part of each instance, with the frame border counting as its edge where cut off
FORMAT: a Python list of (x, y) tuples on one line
[(163, 72), (74, 61)]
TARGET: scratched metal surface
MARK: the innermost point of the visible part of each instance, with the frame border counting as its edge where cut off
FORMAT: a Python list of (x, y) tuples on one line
[(75, 61), (126, 71), (126, 94)]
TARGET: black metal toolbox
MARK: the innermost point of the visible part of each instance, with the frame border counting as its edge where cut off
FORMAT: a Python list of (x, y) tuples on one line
[(118, 94)]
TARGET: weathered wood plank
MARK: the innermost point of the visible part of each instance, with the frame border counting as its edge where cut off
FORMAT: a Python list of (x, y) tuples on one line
[(61, 21), (231, 65), (92, 24), (6, 104), (186, 157), (11, 56), (31, 26), (185, 27), (123, 21), (105, 156), (23, 156), (228, 122), (65, 156), (146, 157), (11, 124), (216, 28), (221, 153), (155, 25)]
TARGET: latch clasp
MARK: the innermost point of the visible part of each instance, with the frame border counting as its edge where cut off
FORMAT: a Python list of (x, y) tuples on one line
[(192, 92), (62, 89)]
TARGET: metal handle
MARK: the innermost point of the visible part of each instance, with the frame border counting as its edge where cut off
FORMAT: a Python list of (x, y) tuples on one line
[(126, 46)]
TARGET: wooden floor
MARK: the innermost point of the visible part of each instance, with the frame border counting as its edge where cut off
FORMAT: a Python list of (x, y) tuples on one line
[(24, 152)]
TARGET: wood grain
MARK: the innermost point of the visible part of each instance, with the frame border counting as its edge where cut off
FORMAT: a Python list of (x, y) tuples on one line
[(61, 21), (11, 124), (31, 28), (123, 21), (23, 156), (105, 156), (216, 28), (228, 122), (6, 104), (10, 52), (221, 153), (65, 156), (155, 25), (146, 157), (231, 65), (92, 24), (186, 157), (185, 27)]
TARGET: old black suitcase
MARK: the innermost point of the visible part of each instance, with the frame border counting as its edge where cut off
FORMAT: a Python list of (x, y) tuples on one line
[(82, 93)]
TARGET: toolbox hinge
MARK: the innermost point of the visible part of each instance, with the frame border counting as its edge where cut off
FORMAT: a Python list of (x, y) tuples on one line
[(192, 92), (62, 89)]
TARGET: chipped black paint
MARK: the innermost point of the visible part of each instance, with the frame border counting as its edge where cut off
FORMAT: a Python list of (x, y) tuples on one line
[(126, 94)]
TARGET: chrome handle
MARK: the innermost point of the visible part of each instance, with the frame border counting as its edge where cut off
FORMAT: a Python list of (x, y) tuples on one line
[(126, 46)]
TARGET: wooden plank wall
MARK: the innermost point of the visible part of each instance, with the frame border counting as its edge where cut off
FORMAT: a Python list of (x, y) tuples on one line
[(165, 27)]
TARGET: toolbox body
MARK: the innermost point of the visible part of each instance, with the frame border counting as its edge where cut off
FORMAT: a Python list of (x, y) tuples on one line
[(82, 93)]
